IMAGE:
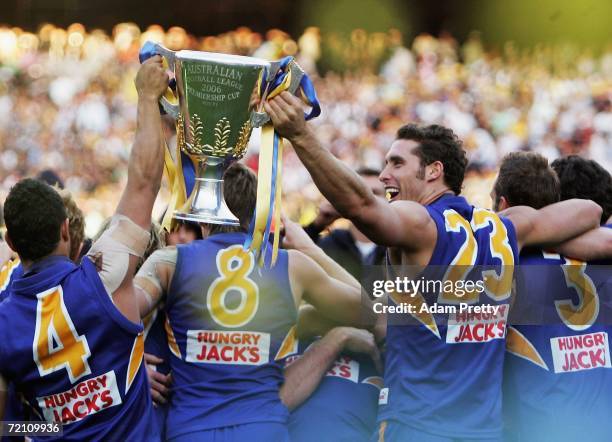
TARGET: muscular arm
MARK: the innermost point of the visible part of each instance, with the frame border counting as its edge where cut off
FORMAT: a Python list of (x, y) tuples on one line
[(592, 245), (400, 224), (310, 323), (147, 156), (152, 281), (303, 376), (296, 238), (553, 224), (334, 299), (134, 210)]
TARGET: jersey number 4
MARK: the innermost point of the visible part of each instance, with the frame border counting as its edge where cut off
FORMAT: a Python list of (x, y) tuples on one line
[(57, 345)]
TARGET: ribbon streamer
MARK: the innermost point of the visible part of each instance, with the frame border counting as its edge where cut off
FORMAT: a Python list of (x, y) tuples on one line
[(181, 180), (269, 192)]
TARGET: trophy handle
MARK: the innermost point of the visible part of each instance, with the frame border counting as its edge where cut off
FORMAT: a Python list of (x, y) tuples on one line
[(150, 49), (258, 119)]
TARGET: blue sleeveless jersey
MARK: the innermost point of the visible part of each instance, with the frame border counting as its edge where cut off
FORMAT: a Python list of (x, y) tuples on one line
[(229, 324), (344, 405), (558, 375), (443, 373), (75, 358), (13, 411)]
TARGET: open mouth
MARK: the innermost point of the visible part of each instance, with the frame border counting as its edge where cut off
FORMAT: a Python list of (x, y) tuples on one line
[(391, 193)]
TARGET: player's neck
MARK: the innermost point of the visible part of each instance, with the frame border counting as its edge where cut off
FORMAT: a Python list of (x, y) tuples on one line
[(433, 194), (28, 263)]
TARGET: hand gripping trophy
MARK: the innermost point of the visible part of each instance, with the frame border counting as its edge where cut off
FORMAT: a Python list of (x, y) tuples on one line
[(216, 101)]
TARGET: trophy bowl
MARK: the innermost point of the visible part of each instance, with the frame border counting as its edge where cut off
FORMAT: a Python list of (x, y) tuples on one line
[(216, 112)]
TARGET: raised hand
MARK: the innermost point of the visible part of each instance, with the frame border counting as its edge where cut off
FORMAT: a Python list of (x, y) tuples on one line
[(287, 115), (152, 79), (358, 340)]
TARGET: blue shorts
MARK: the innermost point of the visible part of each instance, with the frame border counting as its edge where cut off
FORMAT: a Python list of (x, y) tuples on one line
[(256, 432), (392, 431)]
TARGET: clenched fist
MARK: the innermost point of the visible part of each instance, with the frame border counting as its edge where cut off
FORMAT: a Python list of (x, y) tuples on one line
[(287, 115), (152, 79)]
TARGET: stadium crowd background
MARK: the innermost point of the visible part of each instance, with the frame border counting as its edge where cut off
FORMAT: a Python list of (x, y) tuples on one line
[(67, 102)]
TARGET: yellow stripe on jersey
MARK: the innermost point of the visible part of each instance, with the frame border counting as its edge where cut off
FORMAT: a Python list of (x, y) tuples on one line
[(174, 348), (6, 272), (420, 314), (289, 345), (519, 345), (376, 381), (381, 431), (136, 358)]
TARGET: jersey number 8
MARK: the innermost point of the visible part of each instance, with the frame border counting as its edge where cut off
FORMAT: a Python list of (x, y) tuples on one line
[(234, 265)]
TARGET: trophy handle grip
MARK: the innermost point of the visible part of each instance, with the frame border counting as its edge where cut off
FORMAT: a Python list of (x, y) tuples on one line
[(258, 119), (150, 49)]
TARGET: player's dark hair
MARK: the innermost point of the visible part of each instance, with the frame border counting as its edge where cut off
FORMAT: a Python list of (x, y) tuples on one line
[(437, 143), (526, 179), (34, 213), (586, 179), (240, 191)]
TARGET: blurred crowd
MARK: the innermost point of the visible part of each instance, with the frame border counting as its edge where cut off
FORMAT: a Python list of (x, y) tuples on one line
[(67, 102)]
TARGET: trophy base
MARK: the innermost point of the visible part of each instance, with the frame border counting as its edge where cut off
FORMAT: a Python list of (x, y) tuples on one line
[(207, 204), (206, 219)]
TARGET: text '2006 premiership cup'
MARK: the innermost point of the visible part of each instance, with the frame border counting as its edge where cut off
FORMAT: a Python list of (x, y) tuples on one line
[(219, 103)]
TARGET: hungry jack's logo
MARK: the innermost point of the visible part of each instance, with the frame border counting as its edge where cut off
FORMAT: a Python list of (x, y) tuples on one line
[(580, 352), (86, 398), (225, 347), (477, 327)]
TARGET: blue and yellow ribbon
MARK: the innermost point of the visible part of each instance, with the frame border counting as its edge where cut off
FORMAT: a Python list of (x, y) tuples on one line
[(181, 180), (269, 192)]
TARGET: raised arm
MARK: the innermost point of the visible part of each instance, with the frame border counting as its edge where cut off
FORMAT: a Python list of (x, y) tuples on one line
[(592, 245), (296, 238), (553, 224), (147, 156), (121, 246), (400, 224), (303, 376), (333, 298)]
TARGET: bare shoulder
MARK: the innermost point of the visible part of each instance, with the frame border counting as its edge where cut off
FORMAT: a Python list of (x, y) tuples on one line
[(418, 227), (522, 218)]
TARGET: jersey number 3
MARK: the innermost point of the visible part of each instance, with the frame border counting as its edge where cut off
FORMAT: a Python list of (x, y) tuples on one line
[(56, 342)]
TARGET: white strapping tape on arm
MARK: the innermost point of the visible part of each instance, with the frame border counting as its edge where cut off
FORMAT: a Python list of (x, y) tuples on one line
[(121, 239)]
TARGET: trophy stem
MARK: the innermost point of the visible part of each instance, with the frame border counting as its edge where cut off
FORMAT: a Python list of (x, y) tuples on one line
[(206, 202)]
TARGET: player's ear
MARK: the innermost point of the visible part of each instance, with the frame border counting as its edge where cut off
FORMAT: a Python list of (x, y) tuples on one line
[(65, 230), (503, 203), (434, 171)]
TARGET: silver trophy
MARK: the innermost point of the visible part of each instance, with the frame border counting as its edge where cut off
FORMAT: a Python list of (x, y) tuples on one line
[(220, 101)]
